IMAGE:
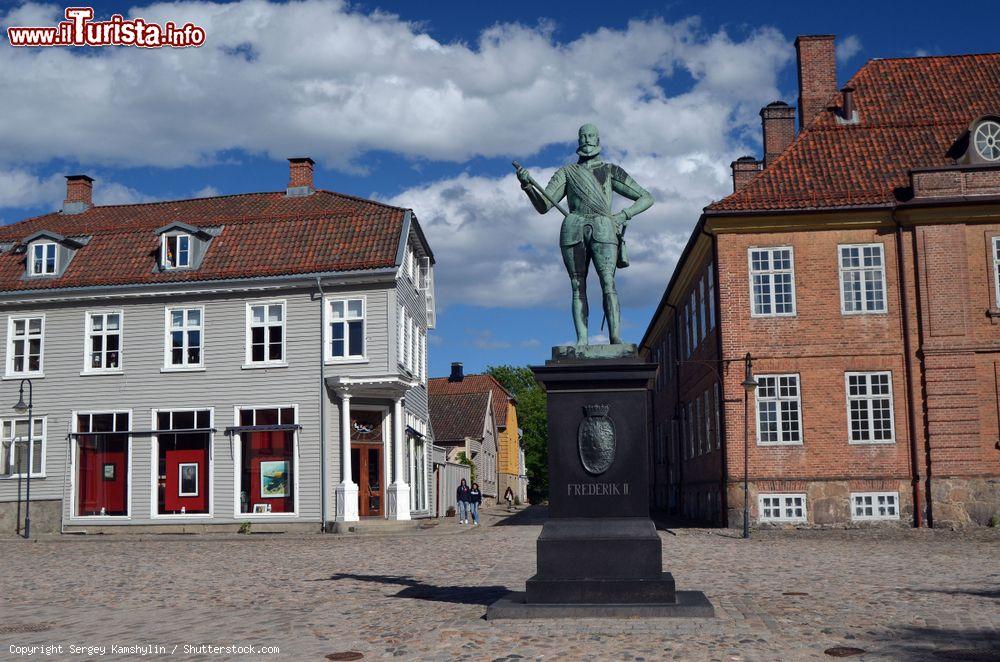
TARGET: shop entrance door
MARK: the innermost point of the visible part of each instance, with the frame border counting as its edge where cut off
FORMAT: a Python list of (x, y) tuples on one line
[(366, 468)]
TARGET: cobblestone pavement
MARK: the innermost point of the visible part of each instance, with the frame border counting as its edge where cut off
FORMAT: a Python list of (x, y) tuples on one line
[(779, 596)]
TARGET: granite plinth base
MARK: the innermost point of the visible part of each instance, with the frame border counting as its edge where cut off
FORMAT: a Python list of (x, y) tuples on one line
[(689, 604), (599, 548), (643, 590)]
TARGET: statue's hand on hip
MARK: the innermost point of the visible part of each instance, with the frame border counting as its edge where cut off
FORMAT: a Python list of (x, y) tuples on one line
[(621, 221)]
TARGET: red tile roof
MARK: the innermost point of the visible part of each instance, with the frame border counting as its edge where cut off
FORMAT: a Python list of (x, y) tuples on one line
[(911, 112), (476, 384), (264, 234), (457, 416)]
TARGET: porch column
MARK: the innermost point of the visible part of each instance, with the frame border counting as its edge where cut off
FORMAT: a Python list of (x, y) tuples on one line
[(399, 491), (347, 489)]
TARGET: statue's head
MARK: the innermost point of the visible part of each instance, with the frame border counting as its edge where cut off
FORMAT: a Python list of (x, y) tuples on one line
[(589, 141)]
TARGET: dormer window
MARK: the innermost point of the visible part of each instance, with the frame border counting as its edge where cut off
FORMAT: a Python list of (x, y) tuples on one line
[(176, 250), (43, 261), (986, 140)]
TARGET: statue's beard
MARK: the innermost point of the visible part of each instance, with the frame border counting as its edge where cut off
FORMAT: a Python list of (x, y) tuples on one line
[(588, 151)]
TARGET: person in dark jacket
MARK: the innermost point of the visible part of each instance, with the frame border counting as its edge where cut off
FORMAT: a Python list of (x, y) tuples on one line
[(462, 496), (508, 496), (475, 498)]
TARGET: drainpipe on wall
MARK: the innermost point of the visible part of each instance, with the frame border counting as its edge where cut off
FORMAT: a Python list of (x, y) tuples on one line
[(322, 405), (908, 372)]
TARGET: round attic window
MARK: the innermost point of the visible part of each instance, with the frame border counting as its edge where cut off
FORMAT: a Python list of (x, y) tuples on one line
[(987, 140)]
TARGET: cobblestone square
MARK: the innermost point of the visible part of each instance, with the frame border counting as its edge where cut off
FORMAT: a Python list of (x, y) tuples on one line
[(783, 595)]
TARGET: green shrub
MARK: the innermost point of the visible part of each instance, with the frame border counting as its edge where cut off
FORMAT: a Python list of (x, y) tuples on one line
[(244, 528), (994, 521)]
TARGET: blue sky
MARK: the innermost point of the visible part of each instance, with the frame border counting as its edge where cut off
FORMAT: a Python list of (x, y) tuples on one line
[(424, 105)]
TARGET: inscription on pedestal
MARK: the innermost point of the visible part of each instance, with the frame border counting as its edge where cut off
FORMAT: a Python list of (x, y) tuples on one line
[(597, 489)]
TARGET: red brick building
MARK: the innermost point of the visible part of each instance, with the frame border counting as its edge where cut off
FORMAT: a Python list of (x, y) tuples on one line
[(858, 264)]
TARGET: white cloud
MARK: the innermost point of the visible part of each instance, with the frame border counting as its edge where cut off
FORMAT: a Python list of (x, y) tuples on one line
[(484, 339), (372, 81), (21, 188), (206, 192), (848, 47)]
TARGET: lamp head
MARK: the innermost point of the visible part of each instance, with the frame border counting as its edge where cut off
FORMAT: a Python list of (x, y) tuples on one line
[(21, 407)]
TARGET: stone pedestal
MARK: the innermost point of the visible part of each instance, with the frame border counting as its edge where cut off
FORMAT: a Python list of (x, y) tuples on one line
[(599, 553)]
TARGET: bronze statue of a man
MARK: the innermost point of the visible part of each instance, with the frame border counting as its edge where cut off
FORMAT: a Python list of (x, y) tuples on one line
[(590, 231)]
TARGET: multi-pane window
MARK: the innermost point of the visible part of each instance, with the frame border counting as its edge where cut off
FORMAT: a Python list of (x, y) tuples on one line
[(176, 251), (869, 407), (266, 332), (43, 258), (779, 410), (782, 507), (24, 345), (183, 453), (102, 464), (268, 460), (718, 424), (711, 296), (689, 429), (104, 341), (185, 337), (702, 309), (772, 281), (693, 316), (18, 448), (347, 329), (874, 505), (996, 268), (862, 279)]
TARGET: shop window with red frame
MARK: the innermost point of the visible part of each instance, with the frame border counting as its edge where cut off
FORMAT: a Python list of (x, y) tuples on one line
[(267, 476), (102, 464), (183, 453)]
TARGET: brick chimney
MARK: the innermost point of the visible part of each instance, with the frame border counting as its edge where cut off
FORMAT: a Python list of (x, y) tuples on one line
[(300, 176), (79, 194), (778, 123), (744, 168), (457, 373), (817, 75)]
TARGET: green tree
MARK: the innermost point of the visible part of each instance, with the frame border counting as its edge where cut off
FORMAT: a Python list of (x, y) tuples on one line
[(532, 418)]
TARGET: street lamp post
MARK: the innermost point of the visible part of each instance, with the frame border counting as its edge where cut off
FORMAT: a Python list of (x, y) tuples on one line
[(20, 408), (749, 386)]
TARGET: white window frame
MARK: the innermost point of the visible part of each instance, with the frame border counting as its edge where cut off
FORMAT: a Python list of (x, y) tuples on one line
[(874, 496), (711, 295), (249, 363), (74, 448), (9, 451), (842, 271), (771, 272), (785, 502), (328, 330), (45, 246), (168, 366), (238, 464), (35, 374), (871, 416), (164, 261), (996, 269), (782, 441), (88, 332), (154, 459)]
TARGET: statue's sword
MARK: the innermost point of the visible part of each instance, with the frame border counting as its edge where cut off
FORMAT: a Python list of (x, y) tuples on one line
[(541, 191)]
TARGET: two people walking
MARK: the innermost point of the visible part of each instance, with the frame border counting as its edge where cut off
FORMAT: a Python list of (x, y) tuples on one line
[(468, 502)]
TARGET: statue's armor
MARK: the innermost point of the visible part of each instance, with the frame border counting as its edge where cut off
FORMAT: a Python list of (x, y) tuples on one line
[(588, 192)]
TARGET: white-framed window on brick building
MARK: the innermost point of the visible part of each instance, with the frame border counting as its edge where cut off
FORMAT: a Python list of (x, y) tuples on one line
[(779, 410), (772, 282), (265, 341), (693, 316), (862, 279), (996, 270), (869, 407), (711, 295), (708, 421), (702, 309), (718, 414), (25, 346), (874, 505), (782, 507)]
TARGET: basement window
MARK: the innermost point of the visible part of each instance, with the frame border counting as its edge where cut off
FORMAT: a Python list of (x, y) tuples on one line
[(782, 507), (874, 505)]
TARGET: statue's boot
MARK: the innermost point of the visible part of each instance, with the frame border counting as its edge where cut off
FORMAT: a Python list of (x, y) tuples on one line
[(581, 314), (613, 315)]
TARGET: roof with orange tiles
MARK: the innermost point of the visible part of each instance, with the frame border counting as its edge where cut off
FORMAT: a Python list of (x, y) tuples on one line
[(260, 235), (456, 417), (912, 113), (477, 384)]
